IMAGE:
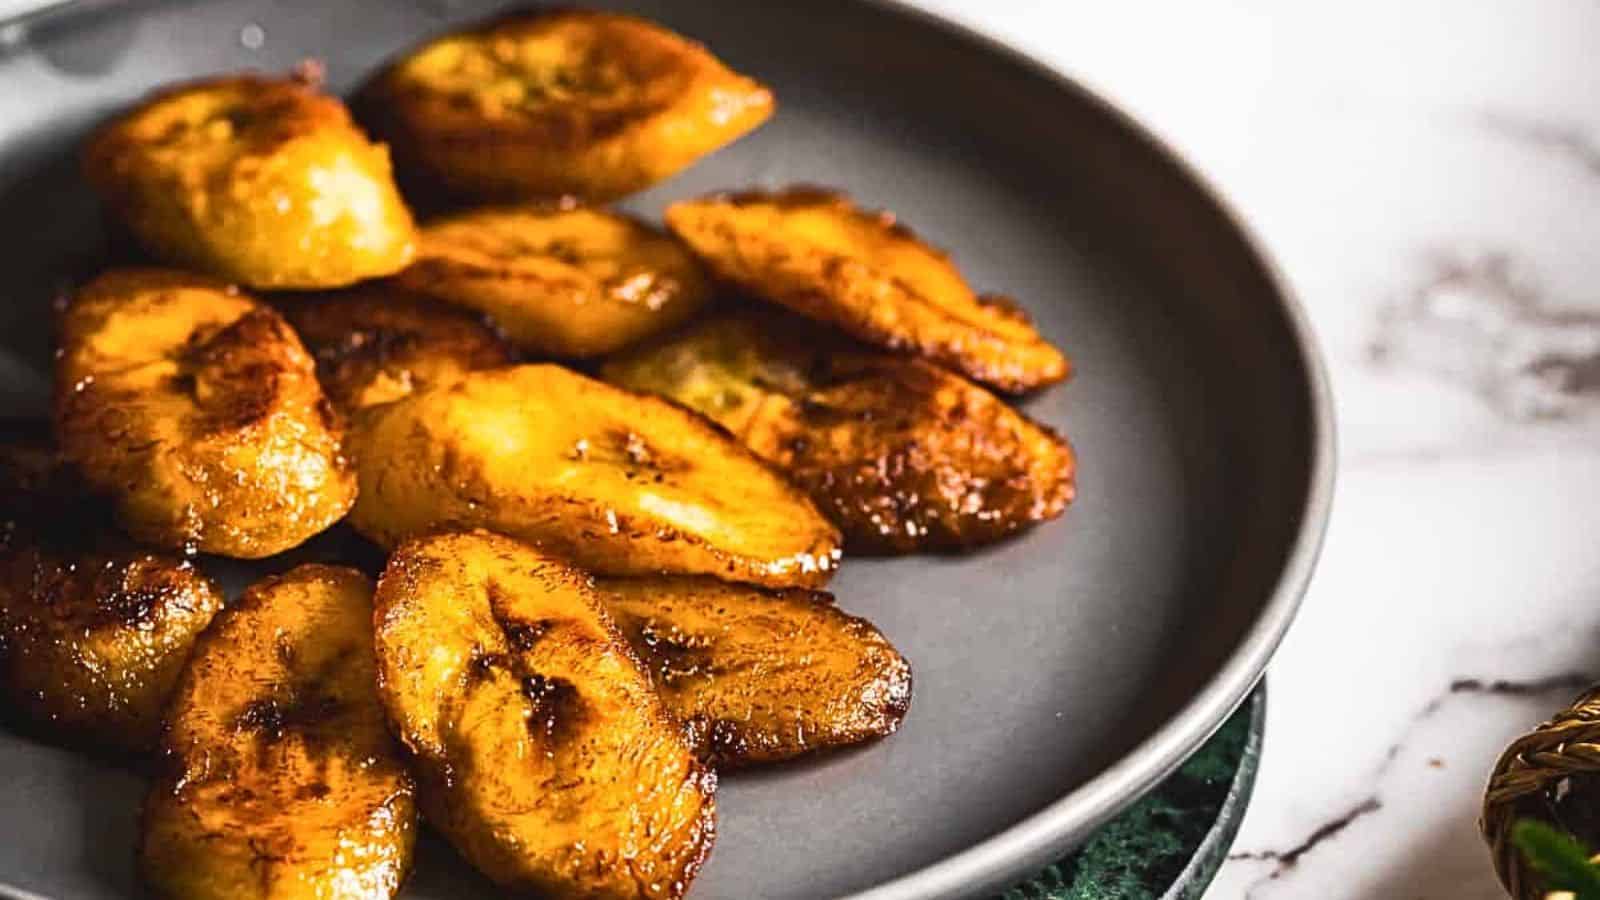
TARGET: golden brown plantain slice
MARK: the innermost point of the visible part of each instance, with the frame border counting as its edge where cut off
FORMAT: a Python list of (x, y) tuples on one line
[(376, 343), (264, 181), (816, 253), (93, 633), (760, 676), (567, 102), (620, 483), (197, 409), (901, 455), (541, 751), (281, 779), (92, 641), (569, 282)]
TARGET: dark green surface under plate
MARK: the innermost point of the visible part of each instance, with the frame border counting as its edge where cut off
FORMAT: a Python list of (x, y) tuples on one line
[(1169, 845)]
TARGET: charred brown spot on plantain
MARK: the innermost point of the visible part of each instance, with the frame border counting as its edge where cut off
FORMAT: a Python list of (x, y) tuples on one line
[(524, 635), (684, 655), (555, 708)]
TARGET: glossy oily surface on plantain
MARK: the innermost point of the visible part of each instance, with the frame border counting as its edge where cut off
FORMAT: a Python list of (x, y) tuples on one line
[(280, 778), (620, 483), (818, 254), (557, 103), (760, 676), (197, 410), (264, 181), (541, 751), (93, 632), (562, 281), (901, 455), (377, 343)]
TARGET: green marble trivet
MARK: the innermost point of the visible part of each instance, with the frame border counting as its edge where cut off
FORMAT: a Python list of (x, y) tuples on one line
[(1169, 845)]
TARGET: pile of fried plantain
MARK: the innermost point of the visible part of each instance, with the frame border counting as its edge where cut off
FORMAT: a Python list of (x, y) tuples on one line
[(620, 483), (599, 590), (264, 181), (198, 410), (557, 103), (280, 778), (94, 632), (569, 281), (541, 751), (816, 253), (760, 676), (901, 455), (377, 343)]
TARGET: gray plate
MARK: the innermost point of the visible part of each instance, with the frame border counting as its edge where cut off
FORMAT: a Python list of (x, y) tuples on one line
[(1057, 676)]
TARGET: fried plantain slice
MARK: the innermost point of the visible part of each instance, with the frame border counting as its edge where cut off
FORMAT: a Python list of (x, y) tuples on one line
[(620, 483), (197, 409), (265, 181), (569, 282), (556, 103), (281, 779), (816, 253), (760, 676), (92, 641), (377, 343), (540, 749), (93, 632), (900, 454)]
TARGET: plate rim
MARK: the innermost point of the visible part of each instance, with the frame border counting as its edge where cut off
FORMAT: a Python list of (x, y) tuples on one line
[(1031, 843)]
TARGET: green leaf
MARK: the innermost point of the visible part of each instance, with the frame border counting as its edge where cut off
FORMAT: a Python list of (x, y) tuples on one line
[(1558, 857)]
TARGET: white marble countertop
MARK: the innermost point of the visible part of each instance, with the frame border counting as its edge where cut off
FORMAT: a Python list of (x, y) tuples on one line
[(1428, 174)]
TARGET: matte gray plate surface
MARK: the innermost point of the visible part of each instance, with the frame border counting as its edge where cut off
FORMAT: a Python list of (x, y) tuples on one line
[(1058, 675)]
